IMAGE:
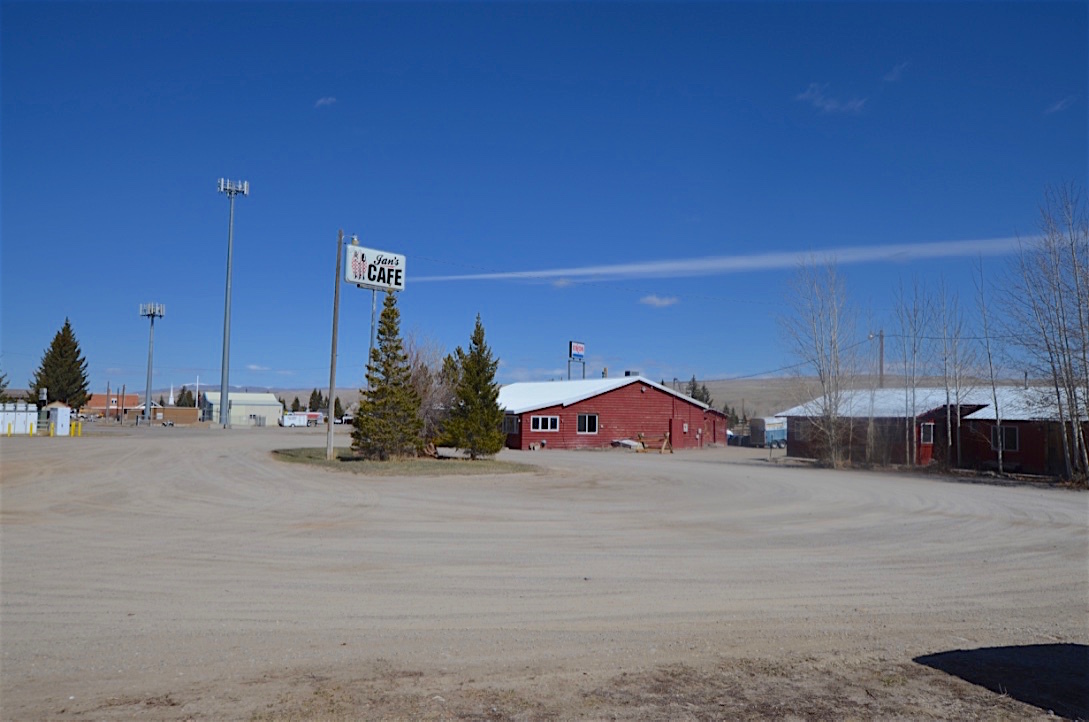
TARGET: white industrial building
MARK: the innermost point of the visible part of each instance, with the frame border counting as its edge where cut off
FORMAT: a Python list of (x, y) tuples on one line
[(245, 409)]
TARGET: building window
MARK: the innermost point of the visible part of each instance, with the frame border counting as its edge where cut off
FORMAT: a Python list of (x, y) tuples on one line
[(1006, 435), (587, 424), (926, 434), (544, 423), (510, 424)]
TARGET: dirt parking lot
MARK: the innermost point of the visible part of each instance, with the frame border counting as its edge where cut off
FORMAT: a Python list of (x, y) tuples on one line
[(185, 574)]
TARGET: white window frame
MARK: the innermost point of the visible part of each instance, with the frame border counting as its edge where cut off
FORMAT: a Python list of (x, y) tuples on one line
[(926, 433), (1004, 430), (582, 424), (544, 424)]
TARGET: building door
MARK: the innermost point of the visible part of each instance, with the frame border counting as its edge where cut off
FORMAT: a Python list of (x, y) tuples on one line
[(926, 444)]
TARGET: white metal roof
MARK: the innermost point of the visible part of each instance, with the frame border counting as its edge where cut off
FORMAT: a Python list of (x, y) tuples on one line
[(1019, 404), (243, 397), (1014, 402), (522, 397)]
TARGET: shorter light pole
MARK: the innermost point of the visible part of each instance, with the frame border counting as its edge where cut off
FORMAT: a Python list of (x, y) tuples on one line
[(151, 311)]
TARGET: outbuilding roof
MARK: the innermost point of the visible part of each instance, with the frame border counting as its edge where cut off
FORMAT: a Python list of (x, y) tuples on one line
[(1015, 403), (243, 397), (519, 398)]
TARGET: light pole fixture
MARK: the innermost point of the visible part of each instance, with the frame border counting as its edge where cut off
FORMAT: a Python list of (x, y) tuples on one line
[(232, 189), (151, 311)]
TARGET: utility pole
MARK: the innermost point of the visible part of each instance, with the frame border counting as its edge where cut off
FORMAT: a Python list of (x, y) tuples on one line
[(881, 359), (333, 355), (232, 189), (880, 336), (151, 311)]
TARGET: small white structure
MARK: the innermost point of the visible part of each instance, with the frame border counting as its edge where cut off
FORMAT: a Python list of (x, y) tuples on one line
[(18, 418), (60, 419)]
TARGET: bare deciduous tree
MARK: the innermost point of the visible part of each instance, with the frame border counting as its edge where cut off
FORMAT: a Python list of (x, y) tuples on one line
[(914, 314), (958, 364), (1050, 295), (425, 360), (981, 301), (820, 329)]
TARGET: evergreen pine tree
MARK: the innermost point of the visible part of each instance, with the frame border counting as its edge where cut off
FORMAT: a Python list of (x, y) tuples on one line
[(338, 410), (295, 405), (4, 397), (184, 398), (693, 388), (161, 402), (476, 421), (63, 371), (388, 422), (705, 396)]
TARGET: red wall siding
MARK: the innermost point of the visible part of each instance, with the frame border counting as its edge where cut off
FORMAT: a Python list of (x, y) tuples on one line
[(623, 413), (1031, 456)]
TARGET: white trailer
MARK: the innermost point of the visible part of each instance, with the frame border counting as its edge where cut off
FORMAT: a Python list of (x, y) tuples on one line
[(295, 418)]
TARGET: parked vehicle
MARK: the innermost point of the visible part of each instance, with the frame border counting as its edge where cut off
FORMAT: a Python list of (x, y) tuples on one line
[(770, 431)]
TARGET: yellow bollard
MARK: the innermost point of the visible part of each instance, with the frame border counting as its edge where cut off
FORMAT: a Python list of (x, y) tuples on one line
[(79, 428), (51, 429), (9, 429)]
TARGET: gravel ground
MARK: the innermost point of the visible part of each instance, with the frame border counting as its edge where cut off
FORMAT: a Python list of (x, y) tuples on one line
[(186, 574)]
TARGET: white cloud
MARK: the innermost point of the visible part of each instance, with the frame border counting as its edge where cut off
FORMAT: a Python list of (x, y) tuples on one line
[(1061, 105), (255, 367), (562, 283), (325, 101), (896, 73), (815, 96), (658, 301), (721, 265)]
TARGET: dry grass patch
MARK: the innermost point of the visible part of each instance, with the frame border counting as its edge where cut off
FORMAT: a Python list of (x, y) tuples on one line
[(346, 460)]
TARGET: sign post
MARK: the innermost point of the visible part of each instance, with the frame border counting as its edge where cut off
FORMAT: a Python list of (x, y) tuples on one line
[(333, 355)]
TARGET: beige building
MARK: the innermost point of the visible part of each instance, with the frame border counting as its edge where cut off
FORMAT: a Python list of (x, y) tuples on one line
[(246, 409)]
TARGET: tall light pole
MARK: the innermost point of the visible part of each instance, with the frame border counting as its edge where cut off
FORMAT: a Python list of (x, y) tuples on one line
[(232, 189), (151, 311)]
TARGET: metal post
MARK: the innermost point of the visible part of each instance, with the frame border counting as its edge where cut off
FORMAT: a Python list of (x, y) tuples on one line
[(151, 310), (881, 359), (333, 354), (231, 189), (224, 417), (374, 309)]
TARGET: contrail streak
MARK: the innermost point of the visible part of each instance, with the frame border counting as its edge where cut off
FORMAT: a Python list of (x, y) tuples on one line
[(717, 265)]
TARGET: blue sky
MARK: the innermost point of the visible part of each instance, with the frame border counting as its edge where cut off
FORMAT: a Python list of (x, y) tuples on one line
[(564, 170)]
